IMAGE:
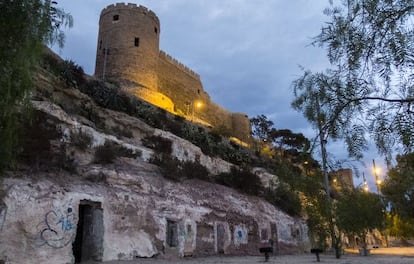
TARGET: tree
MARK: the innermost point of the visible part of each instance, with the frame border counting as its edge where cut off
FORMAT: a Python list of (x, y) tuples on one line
[(398, 187), (25, 25), (261, 127), (400, 228), (369, 87), (358, 212)]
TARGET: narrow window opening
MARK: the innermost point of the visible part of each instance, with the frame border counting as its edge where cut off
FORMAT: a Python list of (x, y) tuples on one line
[(198, 91), (155, 30), (115, 18), (136, 42)]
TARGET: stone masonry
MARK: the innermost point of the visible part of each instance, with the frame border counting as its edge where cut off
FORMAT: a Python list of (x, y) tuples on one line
[(128, 51)]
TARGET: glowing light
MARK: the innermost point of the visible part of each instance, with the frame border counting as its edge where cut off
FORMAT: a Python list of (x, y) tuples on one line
[(376, 170), (198, 104), (379, 181)]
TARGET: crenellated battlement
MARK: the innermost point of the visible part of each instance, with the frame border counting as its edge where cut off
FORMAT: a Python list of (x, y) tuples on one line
[(134, 57), (170, 59), (123, 6)]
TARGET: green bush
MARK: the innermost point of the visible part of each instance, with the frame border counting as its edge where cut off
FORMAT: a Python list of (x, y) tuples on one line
[(105, 154), (284, 198), (170, 166), (81, 140), (176, 170), (158, 144), (241, 179), (108, 152), (194, 170)]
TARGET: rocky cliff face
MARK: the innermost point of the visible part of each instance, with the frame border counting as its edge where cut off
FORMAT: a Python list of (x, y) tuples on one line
[(62, 210)]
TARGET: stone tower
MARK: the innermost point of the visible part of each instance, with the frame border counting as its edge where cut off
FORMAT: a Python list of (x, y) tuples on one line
[(128, 45)]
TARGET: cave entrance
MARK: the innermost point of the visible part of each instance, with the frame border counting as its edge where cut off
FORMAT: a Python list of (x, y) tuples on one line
[(88, 244)]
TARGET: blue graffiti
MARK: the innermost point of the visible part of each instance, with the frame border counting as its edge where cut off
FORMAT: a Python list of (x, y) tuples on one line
[(57, 229), (239, 233)]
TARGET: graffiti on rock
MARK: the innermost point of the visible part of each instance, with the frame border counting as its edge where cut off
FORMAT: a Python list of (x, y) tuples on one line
[(56, 230), (240, 235)]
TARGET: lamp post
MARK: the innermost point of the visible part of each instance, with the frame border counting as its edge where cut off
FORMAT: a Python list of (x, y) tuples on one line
[(377, 179), (193, 105), (196, 104)]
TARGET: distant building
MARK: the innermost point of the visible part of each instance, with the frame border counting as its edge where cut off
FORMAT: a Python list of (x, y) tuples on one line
[(128, 51)]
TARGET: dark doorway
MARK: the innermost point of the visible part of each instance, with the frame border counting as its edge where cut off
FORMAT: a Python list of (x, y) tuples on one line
[(275, 238), (88, 244), (220, 238), (172, 233)]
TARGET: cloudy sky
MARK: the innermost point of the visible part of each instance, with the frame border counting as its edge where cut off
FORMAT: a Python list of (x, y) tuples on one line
[(246, 52)]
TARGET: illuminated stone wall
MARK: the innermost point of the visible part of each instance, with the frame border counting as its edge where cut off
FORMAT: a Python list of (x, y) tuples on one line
[(128, 44), (128, 51)]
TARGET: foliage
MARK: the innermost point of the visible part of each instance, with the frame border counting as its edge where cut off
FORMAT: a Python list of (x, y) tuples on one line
[(37, 134), (241, 179), (170, 166), (24, 26), (194, 170), (82, 140), (285, 198), (176, 170), (317, 220), (269, 138), (261, 127), (358, 212), (398, 227), (159, 144), (105, 154), (398, 187), (369, 87)]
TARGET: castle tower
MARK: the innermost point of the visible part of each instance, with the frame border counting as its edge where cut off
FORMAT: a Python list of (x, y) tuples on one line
[(128, 45)]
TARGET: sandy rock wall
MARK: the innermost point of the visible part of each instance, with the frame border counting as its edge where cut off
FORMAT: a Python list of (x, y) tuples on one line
[(44, 215)]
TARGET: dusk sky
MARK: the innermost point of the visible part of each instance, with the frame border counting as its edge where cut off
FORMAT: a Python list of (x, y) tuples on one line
[(247, 52)]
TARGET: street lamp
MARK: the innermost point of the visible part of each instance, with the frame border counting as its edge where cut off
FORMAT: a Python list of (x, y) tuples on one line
[(364, 184), (376, 171), (194, 105)]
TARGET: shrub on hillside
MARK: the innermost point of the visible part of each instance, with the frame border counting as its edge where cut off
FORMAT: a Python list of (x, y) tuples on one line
[(194, 170), (170, 166), (105, 154), (284, 198), (158, 144), (241, 179), (82, 140), (176, 170), (108, 152)]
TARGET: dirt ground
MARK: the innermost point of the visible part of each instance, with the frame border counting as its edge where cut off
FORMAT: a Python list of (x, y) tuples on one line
[(378, 256)]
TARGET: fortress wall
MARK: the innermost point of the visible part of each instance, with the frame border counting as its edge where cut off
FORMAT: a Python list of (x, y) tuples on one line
[(128, 44), (180, 84), (184, 87), (219, 116), (241, 126), (128, 50)]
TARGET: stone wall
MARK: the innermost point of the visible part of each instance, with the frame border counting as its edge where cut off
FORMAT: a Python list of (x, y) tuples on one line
[(44, 218), (181, 85), (147, 72), (128, 44)]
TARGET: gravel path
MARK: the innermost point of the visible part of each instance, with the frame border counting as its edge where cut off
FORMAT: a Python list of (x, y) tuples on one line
[(379, 256)]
